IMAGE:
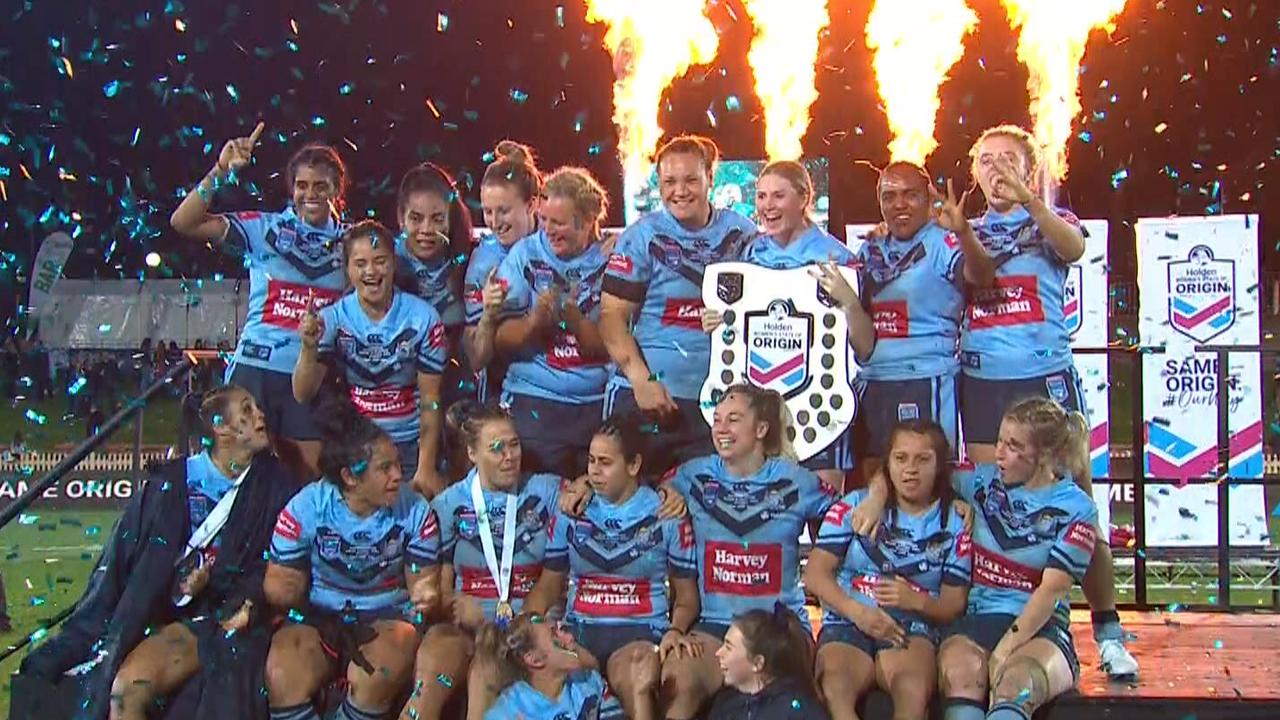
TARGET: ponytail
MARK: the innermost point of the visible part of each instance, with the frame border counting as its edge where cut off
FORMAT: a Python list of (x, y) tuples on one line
[(782, 642), (1061, 436), (502, 645), (769, 408), (1075, 450)]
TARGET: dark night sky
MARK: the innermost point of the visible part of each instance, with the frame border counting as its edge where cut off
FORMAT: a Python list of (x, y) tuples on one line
[(1208, 70)]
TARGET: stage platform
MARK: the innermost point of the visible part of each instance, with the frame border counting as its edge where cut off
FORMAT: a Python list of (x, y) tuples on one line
[(1195, 666)]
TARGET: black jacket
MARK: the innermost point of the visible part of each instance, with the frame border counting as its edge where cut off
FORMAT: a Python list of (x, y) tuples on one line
[(782, 699), (131, 589)]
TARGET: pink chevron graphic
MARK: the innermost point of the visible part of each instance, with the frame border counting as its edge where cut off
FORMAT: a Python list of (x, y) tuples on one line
[(1193, 320), (766, 377), (1205, 464), (1099, 437)]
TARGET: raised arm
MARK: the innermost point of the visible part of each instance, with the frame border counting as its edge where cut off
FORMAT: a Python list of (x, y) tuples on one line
[(192, 217)]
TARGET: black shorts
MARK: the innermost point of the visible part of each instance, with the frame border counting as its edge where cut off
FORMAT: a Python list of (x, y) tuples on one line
[(853, 635), (986, 630), (343, 634), (682, 438), (603, 640), (985, 401), (554, 436), (885, 403), (273, 391)]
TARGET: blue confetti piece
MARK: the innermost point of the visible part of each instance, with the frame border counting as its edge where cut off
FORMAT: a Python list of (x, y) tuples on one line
[(519, 96), (36, 417), (111, 89)]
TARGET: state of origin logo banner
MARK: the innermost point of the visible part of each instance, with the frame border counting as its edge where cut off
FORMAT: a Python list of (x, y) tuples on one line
[(1199, 280)]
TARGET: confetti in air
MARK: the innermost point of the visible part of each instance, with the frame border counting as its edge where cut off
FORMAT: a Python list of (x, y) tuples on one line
[(783, 58)]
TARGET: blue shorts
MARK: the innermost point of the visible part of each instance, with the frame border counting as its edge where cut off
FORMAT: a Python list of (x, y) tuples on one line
[(273, 391), (836, 456), (985, 401), (716, 630), (885, 403), (986, 629), (408, 458), (554, 436), (602, 640), (853, 635), (682, 438)]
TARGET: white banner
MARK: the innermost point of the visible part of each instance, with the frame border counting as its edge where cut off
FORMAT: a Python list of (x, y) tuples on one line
[(1085, 303), (45, 273), (1095, 381), (1199, 280)]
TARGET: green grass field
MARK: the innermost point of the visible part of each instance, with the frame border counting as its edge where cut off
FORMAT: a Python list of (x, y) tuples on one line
[(159, 424)]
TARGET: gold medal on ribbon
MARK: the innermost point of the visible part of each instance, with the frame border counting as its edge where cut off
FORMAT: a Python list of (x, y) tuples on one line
[(504, 610)]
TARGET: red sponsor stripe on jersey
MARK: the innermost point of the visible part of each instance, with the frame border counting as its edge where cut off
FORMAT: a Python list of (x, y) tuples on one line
[(683, 313), (865, 584), (621, 264), (1013, 300), (998, 571), (964, 545), (384, 402), (478, 583), (435, 338), (1082, 535), (951, 239), (686, 533), (751, 571), (564, 352), (430, 526), (287, 526), (551, 526), (835, 515), (248, 215), (606, 596), (287, 302), (891, 318), (475, 295)]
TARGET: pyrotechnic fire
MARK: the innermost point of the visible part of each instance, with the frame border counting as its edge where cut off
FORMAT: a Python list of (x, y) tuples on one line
[(915, 45), (1051, 44), (782, 57), (653, 42)]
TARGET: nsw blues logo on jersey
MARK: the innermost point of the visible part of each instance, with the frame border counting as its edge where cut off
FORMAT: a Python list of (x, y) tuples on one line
[(690, 259), (1202, 295), (312, 253), (374, 357), (778, 342), (1010, 523), (366, 558), (898, 553), (744, 507)]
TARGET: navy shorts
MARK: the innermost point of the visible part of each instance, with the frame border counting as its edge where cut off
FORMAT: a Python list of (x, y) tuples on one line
[(985, 401), (853, 635), (554, 436), (986, 630), (682, 438), (602, 640), (408, 458), (716, 630), (885, 403), (273, 391), (836, 456)]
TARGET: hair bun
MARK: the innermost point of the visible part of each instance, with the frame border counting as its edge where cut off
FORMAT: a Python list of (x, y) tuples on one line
[(513, 151)]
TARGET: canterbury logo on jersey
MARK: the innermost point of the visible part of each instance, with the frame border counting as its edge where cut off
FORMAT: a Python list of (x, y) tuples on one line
[(891, 319), (384, 401), (603, 595), (287, 302), (998, 571), (1013, 300), (683, 313), (753, 570), (477, 582)]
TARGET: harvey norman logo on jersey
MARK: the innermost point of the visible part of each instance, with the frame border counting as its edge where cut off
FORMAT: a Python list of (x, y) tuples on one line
[(1202, 295)]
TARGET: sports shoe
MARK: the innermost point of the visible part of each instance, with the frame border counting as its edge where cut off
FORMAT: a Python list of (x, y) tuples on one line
[(1116, 661)]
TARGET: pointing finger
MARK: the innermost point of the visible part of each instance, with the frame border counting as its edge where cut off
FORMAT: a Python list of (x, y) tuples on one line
[(257, 133)]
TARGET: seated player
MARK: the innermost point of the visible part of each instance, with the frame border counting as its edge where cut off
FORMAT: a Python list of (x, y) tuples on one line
[(764, 660), (617, 558), (885, 599), (1034, 531), (540, 670), (294, 259), (390, 347), (749, 504), (492, 545), (354, 562), (556, 380), (160, 623)]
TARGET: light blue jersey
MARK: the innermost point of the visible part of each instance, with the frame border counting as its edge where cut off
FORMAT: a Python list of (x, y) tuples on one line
[(356, 562), (1016, 329), (619, 557), (659, 264), (381, 360), (916, 548), (914, 291), (206, 485), (431, 279), (747, 532), (580, 699), (813, 245), (1018, 533), (289, 263), (556, 371), (485, 257)]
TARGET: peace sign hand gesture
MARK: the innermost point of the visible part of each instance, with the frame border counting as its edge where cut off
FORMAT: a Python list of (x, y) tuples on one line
[(239, 152), (947, 211), (833, 283)]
